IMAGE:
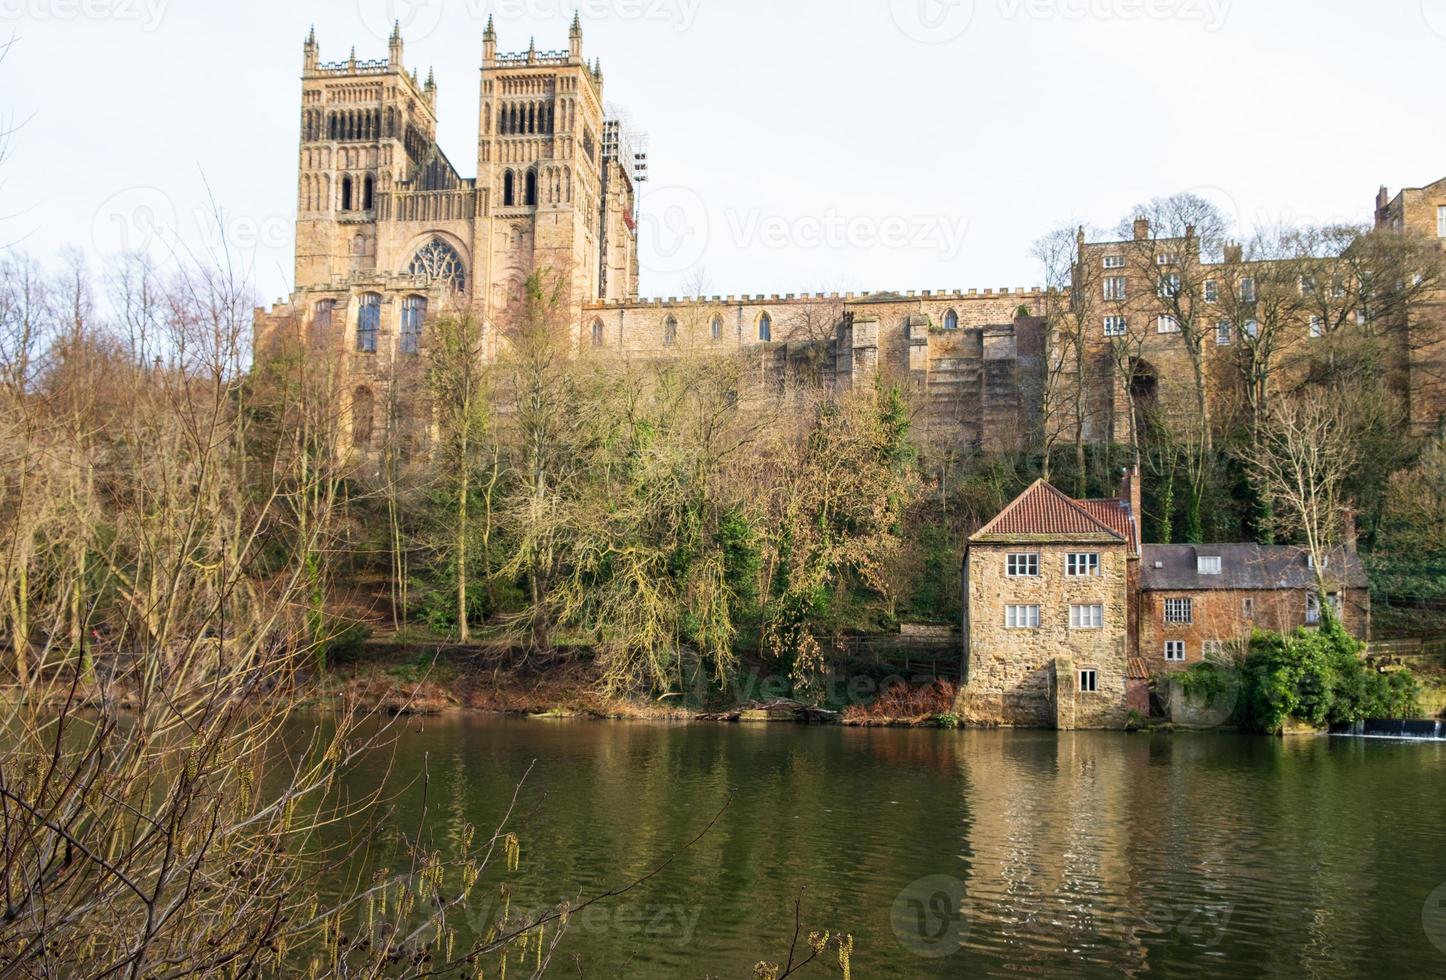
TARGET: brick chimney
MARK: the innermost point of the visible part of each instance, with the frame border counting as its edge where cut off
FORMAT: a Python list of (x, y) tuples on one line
[(1234, 254), (1130, 494), (1142, 229)]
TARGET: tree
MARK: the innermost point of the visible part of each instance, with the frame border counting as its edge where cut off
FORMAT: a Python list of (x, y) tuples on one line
[(1071, 310)]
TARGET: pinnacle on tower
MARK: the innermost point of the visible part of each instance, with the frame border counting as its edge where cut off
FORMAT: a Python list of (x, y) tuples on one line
[(576, 22), (394, 45), (574, 45), (396, 30), (311, 37), (310, 51), (491, 31)]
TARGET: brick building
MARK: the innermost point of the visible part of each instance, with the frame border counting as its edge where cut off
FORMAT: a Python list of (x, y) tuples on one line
[(1067, 616)]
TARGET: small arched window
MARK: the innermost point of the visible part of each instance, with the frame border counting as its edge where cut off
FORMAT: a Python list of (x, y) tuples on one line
[(597, 333), (951, 320), (670, 331), (362, 407), (530, 194), (765, 328), (717, 328), (414, 313), (368, 193), (509, 189), (346, 193), (368, 322)]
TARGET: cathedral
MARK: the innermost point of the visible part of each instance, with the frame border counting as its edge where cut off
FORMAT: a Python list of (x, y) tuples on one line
[(388, 232)]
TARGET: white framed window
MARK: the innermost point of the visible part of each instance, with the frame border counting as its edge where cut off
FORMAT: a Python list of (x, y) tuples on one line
[(1175, 651), (1086, 617), (1317, 328), (1212, 291), (1441, 222), (1114, 261), (1310, 561), (1180, 611), (1024, 565), (1167, 324), (1247, 290), (1247, 607), (1360, 318), (1312, 607), (1081, 564), (1207, 566), (1169, 286), (1089, 681), (1115, 287), (1115, 326), (1021, 617), (1338, 287), (1307, 285), (1164, 258), (1252, 329), (1223, 334)]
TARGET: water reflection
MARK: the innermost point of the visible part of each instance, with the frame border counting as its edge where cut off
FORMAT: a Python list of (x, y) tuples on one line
[(1075, 854)]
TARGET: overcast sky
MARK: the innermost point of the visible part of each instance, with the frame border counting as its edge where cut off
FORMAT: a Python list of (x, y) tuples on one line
[(795, 145)]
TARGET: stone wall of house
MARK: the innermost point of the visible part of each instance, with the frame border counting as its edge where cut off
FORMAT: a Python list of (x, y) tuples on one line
[(1011, 673)]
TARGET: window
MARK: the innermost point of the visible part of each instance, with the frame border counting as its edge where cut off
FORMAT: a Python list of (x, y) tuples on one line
[(1212, 291), (1083, 564), (1338, 287), (1167, 324), (1086, 617), (1312, 607), (1252, 329), (1089, 681), (1441, 222), (1021, 566), (1169, 287), (437, 261), (321, 317), (1114, 261), (1207, 566), (1307, 285), (1317, 328), (670, 331), (1361, 318), (414, 312), (346, 193), (1214, 650), (717, 328), (361, 418), (1175, 651), (1114, 326), (1180, 611), (1247, 607), (951, 320), (368, 321), (1247, 290), (1164, 258), (765, 328), (1223, 333), (1114, 287), (1310, 561), (1021, 617), (529, 189)]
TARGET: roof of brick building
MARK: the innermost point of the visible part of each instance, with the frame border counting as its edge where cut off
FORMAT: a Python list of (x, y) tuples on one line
[(1043, 511), (1176, 568)]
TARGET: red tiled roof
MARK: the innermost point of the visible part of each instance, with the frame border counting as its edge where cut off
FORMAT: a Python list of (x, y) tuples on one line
[(1113, 514), (1043, 510), (1137, 669)]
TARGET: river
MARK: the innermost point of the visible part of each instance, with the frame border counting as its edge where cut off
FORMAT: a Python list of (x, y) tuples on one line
[(953, 854)]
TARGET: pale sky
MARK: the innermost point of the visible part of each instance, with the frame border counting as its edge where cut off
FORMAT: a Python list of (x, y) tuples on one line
[(795, 145)]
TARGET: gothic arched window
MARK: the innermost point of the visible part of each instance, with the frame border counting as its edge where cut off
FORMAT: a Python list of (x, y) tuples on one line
[(951, 320), (765, 328), (439, 262), (346, 193), (670, 331), (530, 194), (368, 322), (717, 328), (597, 333), (368, 192), (414, 312), (509, 189)]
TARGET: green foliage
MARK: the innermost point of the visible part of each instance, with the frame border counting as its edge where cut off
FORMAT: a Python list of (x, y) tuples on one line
[(344, 642), (1316, 677)]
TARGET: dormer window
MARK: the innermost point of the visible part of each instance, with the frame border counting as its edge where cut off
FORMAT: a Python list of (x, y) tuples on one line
[(1207, 566)]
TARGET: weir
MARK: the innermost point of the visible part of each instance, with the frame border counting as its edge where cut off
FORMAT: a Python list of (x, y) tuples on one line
[(1416, 730)]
